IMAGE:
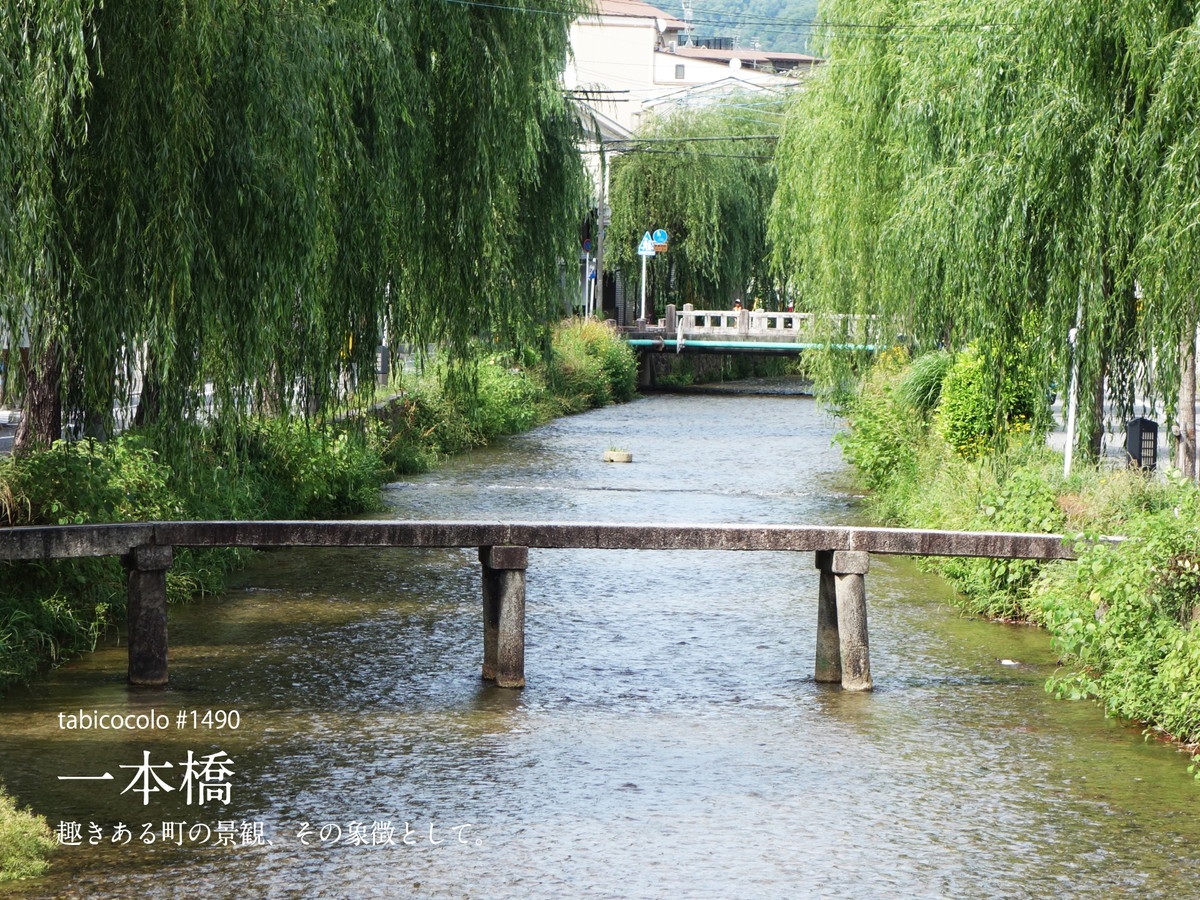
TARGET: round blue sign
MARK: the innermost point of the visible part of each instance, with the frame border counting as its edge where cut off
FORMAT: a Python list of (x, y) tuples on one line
[(660, 236)]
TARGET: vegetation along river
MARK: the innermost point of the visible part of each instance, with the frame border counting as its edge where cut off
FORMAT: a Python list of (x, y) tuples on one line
[(670, 743)]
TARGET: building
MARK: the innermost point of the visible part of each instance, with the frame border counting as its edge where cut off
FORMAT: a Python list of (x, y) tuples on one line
[(630, 60), (628, 54)]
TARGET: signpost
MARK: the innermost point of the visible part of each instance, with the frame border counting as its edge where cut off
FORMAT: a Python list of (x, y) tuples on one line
[(645, 250)]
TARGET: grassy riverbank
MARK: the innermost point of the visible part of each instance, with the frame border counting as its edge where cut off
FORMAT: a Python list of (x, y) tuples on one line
[(1121, 617), (260, 469)]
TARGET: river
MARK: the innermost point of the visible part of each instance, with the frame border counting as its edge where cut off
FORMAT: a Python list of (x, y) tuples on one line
[(670, 742)]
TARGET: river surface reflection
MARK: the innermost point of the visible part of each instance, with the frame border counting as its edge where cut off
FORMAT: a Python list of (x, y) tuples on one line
[(670, 742)]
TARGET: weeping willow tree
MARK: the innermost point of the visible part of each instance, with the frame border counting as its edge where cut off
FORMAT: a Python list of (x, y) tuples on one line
[(1003, 175), (706, 176), (253, 195)]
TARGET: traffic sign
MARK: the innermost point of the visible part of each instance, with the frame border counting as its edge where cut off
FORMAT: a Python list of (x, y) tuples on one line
[(646, 247), (660, 236)]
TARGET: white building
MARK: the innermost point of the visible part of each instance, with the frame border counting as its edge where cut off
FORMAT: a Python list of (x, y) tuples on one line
[(628, 54)]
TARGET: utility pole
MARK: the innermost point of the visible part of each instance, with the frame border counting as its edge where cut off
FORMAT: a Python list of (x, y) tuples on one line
[(1073, 390), (600, 211)]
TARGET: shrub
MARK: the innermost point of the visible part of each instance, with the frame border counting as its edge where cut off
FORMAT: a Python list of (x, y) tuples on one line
[(976, 414), (25, 840), (882, 436), (590, 366), (1125, 616), (301, 471), (88, 481)]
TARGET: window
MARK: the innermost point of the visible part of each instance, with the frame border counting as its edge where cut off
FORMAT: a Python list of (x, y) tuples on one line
[(679, 71)]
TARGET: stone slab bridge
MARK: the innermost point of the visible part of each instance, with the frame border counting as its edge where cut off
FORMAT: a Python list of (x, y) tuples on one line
[(842, 556), (690, 330)]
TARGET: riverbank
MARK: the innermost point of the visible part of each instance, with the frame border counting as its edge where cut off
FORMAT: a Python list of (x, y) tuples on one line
[(1121, 617), (260, 469), (266, 469)]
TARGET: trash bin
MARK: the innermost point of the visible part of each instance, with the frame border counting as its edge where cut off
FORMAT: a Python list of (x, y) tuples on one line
[(1141, 443)]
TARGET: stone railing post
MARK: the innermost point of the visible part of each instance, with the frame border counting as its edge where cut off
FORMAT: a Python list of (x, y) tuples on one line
[(504, 614), (146, 613), (671, 322), (687, 319), (846, 626)]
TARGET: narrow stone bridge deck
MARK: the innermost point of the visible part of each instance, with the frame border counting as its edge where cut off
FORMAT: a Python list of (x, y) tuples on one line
[(842, 555)]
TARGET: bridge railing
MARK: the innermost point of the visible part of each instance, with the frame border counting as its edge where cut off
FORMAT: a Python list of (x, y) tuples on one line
[(751, 325), (739, 322), (842, 555)]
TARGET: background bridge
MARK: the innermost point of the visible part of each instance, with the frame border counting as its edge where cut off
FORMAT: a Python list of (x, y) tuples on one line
[(693, 330), (842, 555)]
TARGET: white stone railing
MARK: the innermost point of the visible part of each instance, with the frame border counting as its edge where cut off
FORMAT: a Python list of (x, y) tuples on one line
[(747, 323)]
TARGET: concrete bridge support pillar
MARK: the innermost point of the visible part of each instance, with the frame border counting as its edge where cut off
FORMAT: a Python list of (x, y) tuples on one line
[(829, 652), (843, 652), (147, 613), (504, 614)]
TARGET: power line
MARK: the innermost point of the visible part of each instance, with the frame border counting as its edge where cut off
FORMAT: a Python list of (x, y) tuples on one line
[(750, 19), (689, 155), (684, 140), (784, 26)]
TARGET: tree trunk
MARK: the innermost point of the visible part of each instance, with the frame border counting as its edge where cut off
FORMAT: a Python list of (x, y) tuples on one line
[(150, 398), (41, 416), (1095, 442), (1185, 448)]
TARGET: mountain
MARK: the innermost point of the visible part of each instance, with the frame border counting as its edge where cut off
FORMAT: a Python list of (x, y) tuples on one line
[(775, 24)]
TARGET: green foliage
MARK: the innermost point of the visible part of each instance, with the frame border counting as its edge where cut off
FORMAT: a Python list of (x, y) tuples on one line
[(774, 24), (588, 366), (25, 841), (882, 433), (1018, 492), (89, 481), (967, 418), (1124, 617), (591, 366), (921, 387), (304, 472), (711, 195), (258, 193), (1003, 184), (920, 479), (974, 416)]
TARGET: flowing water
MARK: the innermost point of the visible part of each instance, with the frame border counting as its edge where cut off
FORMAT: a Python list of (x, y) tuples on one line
[(670, 743)]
